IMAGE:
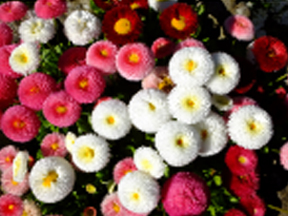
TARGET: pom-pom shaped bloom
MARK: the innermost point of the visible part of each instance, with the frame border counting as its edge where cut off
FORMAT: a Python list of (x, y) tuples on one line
[(189, 42), (148, 160), (250, 127), (36, 30), (226, 74), (70, 139), (234, 212), (102, 55), (110, 119), (179, 21), (71, 58), (90, 153), (20, 123), (53, 144), (5, 68), (8, 91), (121, 25), (162, 47), (35, 88), (185, 193), (222, 102), (51, 179), (48, 9), (20, 166), (139, 192), (161, 5), (240, 27), (24, 59), (31, 208), (148, 110), (134, 61), (177, 143), (284, 156), (10, 205), (189, 104), (7, 155), (123, 167), (85, 84), (6, 35), (191, 65), (241, 161), (253, 205), (81, 27), (270, 53), (104, 4), (61, 110), (12, 10), (213, 134)]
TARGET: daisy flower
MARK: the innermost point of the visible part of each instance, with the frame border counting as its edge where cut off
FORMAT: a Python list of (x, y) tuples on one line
[(123, 167), (51, 179), (139, 192), (5, 68), (134, 61), (70, 139), (20, 123), (31, 208), (122, 25), (253, 205), (213, 134), (189, 42), (284, 156), (10, 205), (24, 59), (110, 119), (90, 153), (226, 74), (179, 21), (136, 4), (102, 55), (250, 127), (7, 155), (148, 110), (270, 53), (234, 212), (35, 88), (162, 47), (81, 26), (85, 84), (12, 10), (53, 144), (222, 102), (240, 27), (241, 161), (20, 166), (8, 91), (189, 104), (148, 160), (104, 4), (48, 9), (161, 5), (6, 35), (191, 65), (177, 143), (36, 30), (185, 193), (61, 110)]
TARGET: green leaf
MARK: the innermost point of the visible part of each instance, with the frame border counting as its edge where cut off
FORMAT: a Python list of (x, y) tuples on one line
[(217, 180)]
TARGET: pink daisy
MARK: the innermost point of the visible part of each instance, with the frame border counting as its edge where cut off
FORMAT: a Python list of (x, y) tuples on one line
[(6, 35), (185, 193), (54, 145), (284, 156), (234, 212), (253, 205), (123, 167), (90, 211), (134, 61), (61, 110), (12, 187), (71, 58), (162, 47), (240, 27), (35, 88), (8, 91), (5, 69), (102, 55), (12, 10), (47, 9), (7, 155), (85, 84), (10, 205), (189, 42), (20, 123)]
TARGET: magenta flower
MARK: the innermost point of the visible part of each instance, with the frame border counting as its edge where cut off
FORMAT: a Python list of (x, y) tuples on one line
[(12, 10), (8, 91), (253, 205), (6, 35), (5, 69), (123, 167), (234, 212), (11, 205), (53, 144), (47, 9), (162, 47), (7, 155)]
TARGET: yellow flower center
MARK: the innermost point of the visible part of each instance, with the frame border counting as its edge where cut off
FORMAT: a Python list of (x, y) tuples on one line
[(242, 159), (221, 72), (190, 103), (61, 109), (166, 84), (151, 106), (110, 120), (146, 164), (116, 207), (104, 52), (14, 182), (135, 196), (181, 141), (51, 177), (134, 5), (86, 153), (253, 126), (83, 83), (122, 26), (271, 53), (178, 24), (25, 213), (190, 65), (21, 58), (36, 27), (34, 89), (19, 124), (11, 207), (134, 58), (8, 159), (54, 146)]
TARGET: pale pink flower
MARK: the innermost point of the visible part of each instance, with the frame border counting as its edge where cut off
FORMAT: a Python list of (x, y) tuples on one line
[(123, 167), (7, 155), (53, 144), (284, 156)]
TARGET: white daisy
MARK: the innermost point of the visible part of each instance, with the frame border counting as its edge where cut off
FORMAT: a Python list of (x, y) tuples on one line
[(19, 166), (139, 192), (70, 139), (250, 127), (148, 160), (25, 58), (226, 74), (222, 102), (148, 110), (177, 143), (90, 153), (189, 104), (110, 119), (51, 179), (81, 27), (37, 30), (213, 134), (191, 65), (160, 5)]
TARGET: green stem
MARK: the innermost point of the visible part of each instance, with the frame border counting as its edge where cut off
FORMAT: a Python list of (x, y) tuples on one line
[(281, 78), (277, 209)]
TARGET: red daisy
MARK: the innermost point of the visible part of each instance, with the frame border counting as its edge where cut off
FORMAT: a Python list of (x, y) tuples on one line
[(234, 212), (179, 21), (8, 91), (47, 9), (241, 161), (104, 4), (6, 35), (54, 145), (270, 53), (162, 47), (61, 110), (123, 167), (12, 10), (11, 205), (135, 4), (122, 25), (253, 205), (7, 155)]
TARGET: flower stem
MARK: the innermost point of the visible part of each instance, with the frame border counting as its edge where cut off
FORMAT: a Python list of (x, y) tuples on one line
[(281, 78), (277, 209)]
